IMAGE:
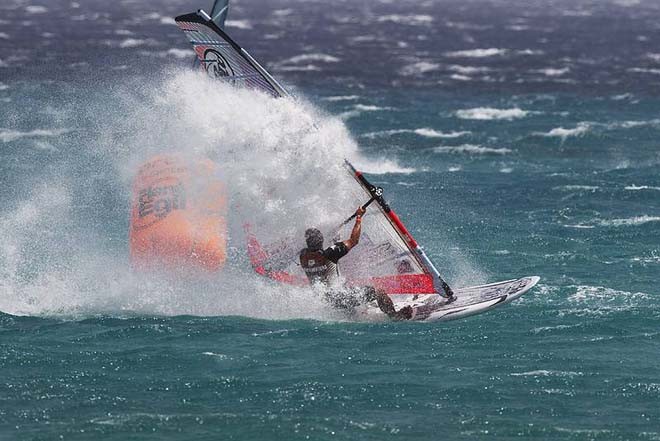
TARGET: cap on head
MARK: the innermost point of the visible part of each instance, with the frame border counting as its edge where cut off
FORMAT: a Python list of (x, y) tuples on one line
[(314, 239)]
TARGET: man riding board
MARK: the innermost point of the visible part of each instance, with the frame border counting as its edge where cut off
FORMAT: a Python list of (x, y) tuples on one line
[(320, 266)]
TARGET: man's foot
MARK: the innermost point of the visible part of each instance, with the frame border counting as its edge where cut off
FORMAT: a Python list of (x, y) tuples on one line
[(451, 299), (404, 313)]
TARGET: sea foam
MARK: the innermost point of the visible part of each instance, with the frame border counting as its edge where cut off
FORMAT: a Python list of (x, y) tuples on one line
[(489, 113), (57, 261)]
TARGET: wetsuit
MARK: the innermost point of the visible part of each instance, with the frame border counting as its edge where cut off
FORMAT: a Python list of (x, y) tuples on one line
[(320, 266)]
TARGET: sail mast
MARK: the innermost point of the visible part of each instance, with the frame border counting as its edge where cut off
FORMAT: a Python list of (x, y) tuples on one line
[(439, 283)]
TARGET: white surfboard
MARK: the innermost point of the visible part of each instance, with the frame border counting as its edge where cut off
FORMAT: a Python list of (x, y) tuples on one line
[(469, 301)]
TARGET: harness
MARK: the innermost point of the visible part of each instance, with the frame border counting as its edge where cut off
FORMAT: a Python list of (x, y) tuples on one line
[(317, 267)]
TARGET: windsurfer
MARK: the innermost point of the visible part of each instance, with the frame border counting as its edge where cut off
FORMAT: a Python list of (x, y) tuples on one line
[(320, 266)]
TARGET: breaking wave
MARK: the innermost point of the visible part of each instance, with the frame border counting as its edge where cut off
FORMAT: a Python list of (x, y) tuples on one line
[(419, 68), (477, 53), (640, 187), (412, 20), (560, 132), (7, 135), (423, 132), (489, 113), (472, 150), (630, 222)]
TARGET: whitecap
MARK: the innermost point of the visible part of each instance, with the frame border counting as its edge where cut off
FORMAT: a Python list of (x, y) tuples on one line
[(384, 133), (553, 328), (370, 108), (132, 42), (35, 9), (634, 124), (630, 222), (477, 53), (363, 39), (4, 36), (282, 12), (419, 68), (653, 56), (336, 98), (472, 150), (424, 132), (413, 20), (305, 58), (644, 70), (7, 135), (469, 70), (595, 295), (530, 52), (430, 133), (458, 77), (359, 109), (553, 72), (240, 24), (640, 187), (489, 113), (546, 373), (577, 187), (518, 28), (623, 96), (563, 133), (213, 354)]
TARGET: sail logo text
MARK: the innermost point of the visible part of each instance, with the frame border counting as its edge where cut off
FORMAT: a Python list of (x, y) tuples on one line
[(161, 201)]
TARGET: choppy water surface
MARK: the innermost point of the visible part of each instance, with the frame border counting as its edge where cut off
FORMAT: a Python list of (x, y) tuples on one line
[(514, 139)]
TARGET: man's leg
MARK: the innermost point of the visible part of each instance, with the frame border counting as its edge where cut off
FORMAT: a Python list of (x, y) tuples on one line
[(386, 305)]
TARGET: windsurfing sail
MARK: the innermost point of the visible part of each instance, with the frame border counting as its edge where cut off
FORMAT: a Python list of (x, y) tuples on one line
[(222, 58), (387, 257), (219, 13)]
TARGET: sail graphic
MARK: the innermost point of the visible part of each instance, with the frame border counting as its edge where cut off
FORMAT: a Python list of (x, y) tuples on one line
[(219, 13), (222, 58)]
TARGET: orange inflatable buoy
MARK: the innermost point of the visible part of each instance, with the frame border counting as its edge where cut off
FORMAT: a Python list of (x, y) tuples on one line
[(178, 217)]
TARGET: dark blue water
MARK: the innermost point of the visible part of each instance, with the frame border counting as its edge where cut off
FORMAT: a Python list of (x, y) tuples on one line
[(513, 138)]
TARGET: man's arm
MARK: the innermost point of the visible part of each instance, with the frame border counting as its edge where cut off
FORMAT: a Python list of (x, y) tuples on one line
[(357, 230)]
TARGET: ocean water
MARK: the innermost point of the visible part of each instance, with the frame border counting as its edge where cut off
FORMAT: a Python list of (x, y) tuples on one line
[(513, 137)]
